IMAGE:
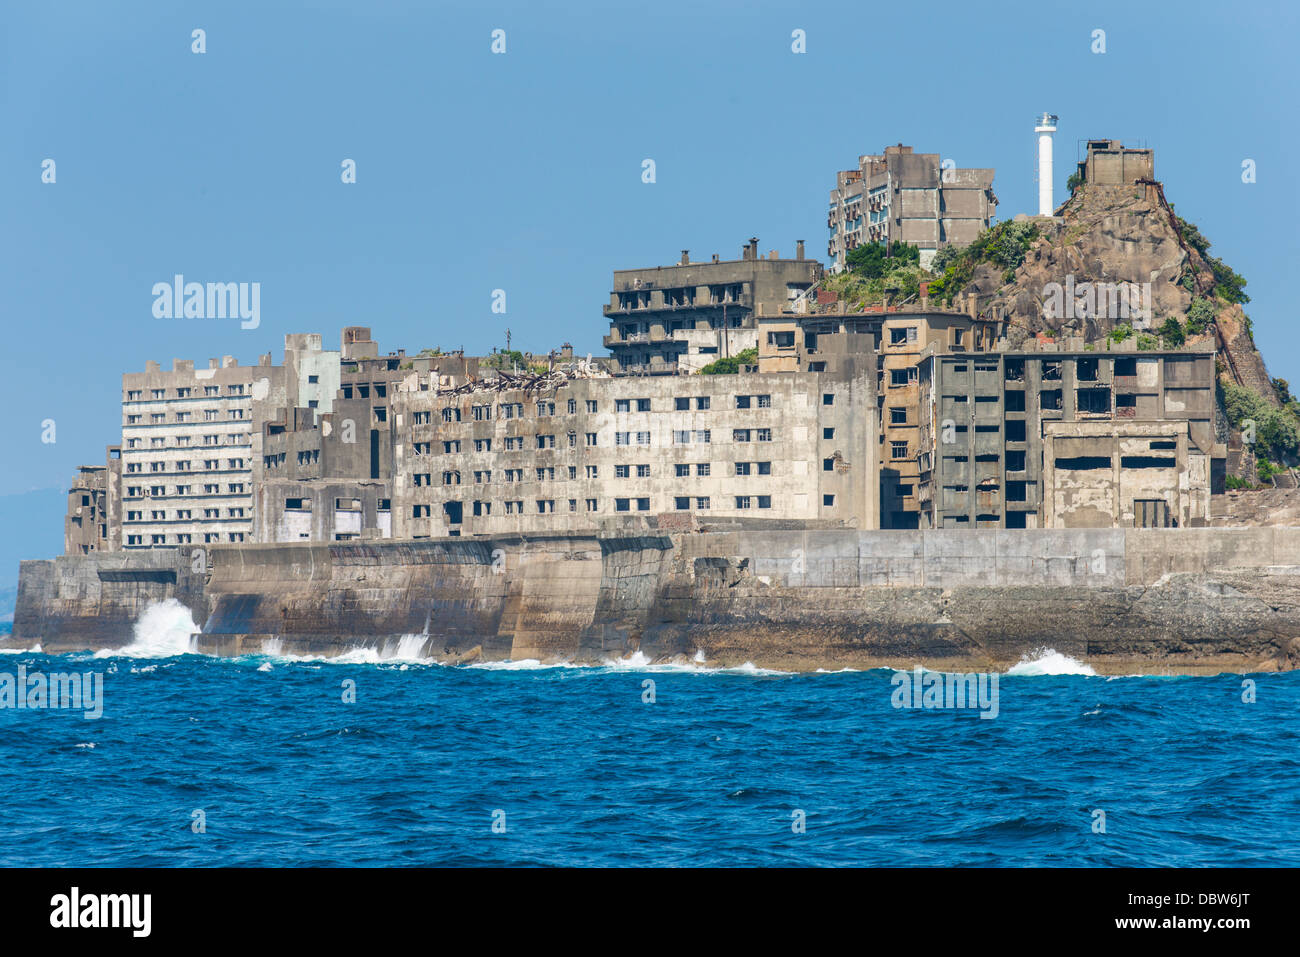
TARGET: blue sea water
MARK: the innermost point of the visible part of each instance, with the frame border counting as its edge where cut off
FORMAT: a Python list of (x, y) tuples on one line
[(582, 771)]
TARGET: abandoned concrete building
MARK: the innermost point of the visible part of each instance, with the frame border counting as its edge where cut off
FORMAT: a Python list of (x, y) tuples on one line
[(577, 452), (1067, 438), (902, 196), (682, 317), (85, 526), (1111, 163)]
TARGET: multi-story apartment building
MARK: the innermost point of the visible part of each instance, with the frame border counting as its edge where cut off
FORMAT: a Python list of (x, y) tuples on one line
[(901, 196), (894, 338), (1067, 438), (191, 452), (682, 317), (576, 452)]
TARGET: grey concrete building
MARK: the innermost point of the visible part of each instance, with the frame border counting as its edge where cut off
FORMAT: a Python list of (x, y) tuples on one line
[(571, 452), (85, 526), (682, 317), (1111, 163), (902, 196), (191, 447), (1067, 438)]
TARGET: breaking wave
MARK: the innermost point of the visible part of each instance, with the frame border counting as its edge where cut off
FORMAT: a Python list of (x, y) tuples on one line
[(165, 629), (1048, 661)]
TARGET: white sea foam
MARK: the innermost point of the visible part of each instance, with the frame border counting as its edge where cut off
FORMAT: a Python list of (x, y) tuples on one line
[(1048, 661), (523, 664), (408, 649), (165, 629)]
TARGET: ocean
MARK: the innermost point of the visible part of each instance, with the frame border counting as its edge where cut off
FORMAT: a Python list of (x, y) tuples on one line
[(260, 761)]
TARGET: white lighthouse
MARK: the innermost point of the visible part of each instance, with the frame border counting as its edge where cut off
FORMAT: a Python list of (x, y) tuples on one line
[(1046, 126)]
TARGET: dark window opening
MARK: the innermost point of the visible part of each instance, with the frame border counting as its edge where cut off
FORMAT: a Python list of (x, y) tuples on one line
[(1146, 462), (1049, 399), (1015, 400), (1081, 463), (1094, 400), (1016, 430)]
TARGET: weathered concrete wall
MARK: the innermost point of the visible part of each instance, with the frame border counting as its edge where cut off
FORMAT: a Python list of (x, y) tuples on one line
[(91, 601), (1122, 600)]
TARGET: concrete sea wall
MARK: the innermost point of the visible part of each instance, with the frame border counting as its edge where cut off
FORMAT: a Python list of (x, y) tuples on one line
[(1122, 600)]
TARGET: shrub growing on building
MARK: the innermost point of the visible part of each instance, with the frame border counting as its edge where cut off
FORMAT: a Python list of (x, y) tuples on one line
[(731, 364)]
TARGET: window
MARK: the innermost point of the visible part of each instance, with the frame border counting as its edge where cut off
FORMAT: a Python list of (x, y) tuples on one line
[(643, 405), (545, 408), (702, 469), (482, 445), (643, 438), (828, 398), (682, 502), (702, 502), (743, 501), (702, 402), (764, 435), (591, 405), (643, 471), (622, 504), (765, 501), (898, 450), (703, 436), (593, 471), (592, 505), (573, 407), (897, 416), (1050, 399), (828, 501), (514, 442), (682, 437), (622, 405), (828, 465), (573, 472), (742, 468), (828, 433), (451, 447), (681, 471), (764, 468), (742, 402), (591, 438), (482, 413), (545, 506), (546, 441), (740, 435), (1096, 401), (681, 404), (622, 471), (622, 438), (1015, 430), (643, 505)]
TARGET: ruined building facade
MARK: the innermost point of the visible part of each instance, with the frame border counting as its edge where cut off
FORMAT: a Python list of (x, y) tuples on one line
[(902, 196), (1067, 439), (576, 453), (666, 319)]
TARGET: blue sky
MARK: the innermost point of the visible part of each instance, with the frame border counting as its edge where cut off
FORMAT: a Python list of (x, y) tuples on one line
[(522, 171)]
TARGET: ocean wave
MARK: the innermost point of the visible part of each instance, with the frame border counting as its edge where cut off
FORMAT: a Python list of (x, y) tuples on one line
[(1048, 661), (165, 629)]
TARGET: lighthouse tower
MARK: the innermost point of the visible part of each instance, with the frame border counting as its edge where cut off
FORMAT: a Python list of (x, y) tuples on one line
[(1045, 126)]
